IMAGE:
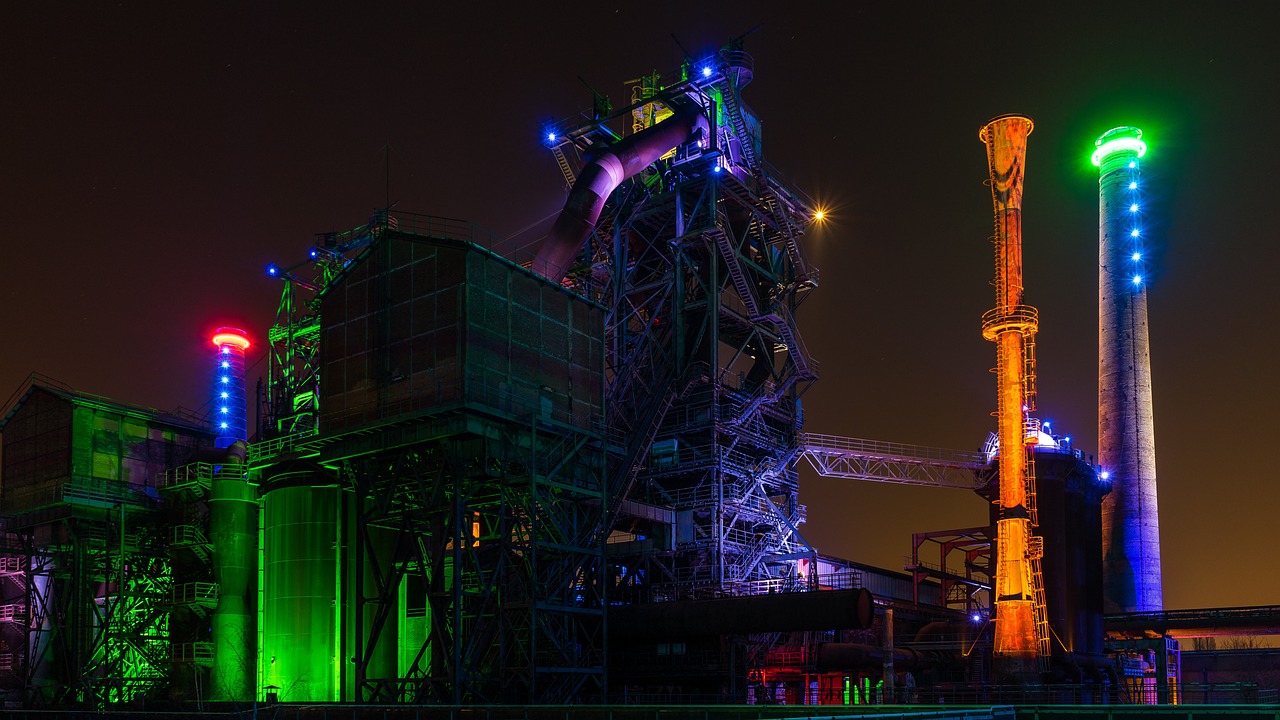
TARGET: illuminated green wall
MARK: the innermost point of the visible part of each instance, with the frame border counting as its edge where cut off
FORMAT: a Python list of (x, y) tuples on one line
[(300, 626), (233, 529)]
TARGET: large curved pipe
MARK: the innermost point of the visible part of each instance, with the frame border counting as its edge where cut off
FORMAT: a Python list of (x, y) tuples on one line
[(601, 177)]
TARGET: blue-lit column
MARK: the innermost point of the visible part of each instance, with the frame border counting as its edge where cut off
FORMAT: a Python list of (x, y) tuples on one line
[(228, 401), (1126, 426)]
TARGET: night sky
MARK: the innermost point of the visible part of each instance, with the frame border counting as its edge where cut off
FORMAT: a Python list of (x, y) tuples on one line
[(155, 158)]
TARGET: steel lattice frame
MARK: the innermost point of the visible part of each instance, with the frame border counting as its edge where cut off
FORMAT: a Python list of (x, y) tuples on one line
[(497, 520), (704, 363), (99, 608)]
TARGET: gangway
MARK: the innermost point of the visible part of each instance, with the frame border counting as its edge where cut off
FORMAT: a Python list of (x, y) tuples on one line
[(879, 461)]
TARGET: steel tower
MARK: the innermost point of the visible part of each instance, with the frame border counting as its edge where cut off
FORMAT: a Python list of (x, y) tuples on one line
[(1126, 427), (701, 273), (1020, 629)]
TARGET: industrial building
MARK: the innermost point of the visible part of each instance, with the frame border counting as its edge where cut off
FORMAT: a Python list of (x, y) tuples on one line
[(483, 474)]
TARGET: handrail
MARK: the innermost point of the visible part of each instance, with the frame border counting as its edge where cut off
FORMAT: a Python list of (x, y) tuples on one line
[(819, 443)]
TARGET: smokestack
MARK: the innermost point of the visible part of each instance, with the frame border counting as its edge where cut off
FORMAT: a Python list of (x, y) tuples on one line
[(1019, 610), (1126, 426), (228, 386)]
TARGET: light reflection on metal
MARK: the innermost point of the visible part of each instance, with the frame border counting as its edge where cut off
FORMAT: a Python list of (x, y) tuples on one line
[(1018, 597)]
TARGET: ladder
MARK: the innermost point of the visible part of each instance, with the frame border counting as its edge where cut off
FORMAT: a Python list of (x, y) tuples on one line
[(563, 162), (1035, 551), (733, 111), (730, 255)]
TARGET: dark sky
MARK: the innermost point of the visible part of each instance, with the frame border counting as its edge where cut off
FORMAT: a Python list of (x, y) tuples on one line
[(155, 158)]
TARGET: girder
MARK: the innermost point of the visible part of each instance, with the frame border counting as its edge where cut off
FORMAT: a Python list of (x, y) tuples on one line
[(877, 461)]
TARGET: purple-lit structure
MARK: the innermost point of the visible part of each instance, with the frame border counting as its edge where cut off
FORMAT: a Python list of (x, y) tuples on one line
[(228, 386), (1126, 425)]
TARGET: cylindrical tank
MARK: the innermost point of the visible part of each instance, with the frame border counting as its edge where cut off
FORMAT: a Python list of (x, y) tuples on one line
[(233, 530), (1126, 425), (300, 653)]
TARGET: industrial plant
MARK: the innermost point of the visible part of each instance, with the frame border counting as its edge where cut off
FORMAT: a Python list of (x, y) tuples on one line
[(476, 473)]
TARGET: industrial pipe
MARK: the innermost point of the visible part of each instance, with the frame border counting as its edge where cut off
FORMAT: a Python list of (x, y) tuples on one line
[(849, 656), (602, 176), (783, 612)]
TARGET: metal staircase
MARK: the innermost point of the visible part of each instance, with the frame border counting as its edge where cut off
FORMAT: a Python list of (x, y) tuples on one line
[(732, 108), (740, 283), (563, 162)]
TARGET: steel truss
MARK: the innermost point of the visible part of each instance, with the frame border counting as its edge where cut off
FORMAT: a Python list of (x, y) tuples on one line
[(492, 527), (474, 546), (98, 587), (702, 274)]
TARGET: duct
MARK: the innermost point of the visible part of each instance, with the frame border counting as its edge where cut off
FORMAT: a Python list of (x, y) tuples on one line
[(849, 656), (784, 612), (601, 177)]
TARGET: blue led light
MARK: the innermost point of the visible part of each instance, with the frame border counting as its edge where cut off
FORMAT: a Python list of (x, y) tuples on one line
[(1066, 439), (1137, 256), (226, 364), (223, 426), (1133, 207), (1133, 186), (1137, 279), (314, 253), (1105, 475), (706, 71), (272, 270), (551, 137), (977, 617), (224, 396), (226, 351), (1133, 164), (716, 169), (226, 379), (222, 410), (1134, 233)]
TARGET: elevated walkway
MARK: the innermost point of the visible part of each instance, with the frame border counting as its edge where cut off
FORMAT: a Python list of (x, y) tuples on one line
[(1204, 622), (878, 461)]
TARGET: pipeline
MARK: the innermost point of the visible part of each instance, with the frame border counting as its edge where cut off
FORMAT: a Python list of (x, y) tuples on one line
[(783, 612), (850, 656), (602, 176)]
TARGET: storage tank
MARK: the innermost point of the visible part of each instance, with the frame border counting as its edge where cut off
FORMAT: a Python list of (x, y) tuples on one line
[(233, 531), (300, 654)]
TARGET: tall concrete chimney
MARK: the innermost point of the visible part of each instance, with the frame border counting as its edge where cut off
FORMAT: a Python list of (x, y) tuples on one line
[(1126, 429)]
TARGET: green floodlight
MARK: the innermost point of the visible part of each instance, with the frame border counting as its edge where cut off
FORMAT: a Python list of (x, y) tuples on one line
[(1118, 140)]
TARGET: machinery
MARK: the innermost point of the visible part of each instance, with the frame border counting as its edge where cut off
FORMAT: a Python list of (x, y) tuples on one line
[(488, 476)]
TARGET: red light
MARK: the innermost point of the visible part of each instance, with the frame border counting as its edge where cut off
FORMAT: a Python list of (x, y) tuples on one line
[(231, 336)]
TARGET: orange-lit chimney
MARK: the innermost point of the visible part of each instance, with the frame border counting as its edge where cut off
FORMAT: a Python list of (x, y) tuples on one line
[(1021, 635)]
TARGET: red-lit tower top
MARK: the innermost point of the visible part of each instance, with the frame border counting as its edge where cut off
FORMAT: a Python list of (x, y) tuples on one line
[(229, 422)]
